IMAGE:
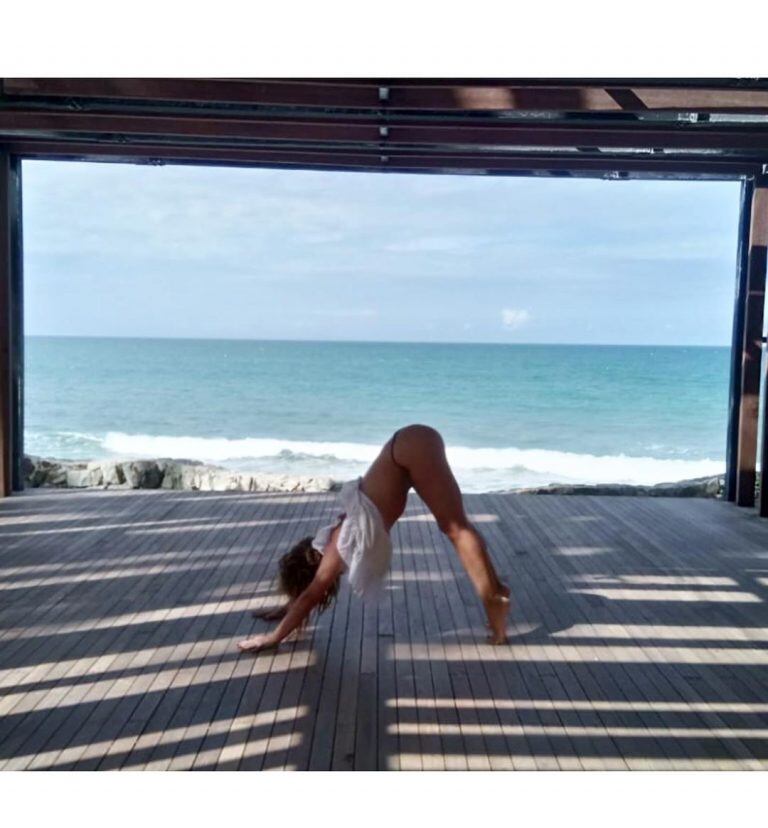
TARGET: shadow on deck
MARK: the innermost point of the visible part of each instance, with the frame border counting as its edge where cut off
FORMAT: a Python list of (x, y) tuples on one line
[(639, 636)]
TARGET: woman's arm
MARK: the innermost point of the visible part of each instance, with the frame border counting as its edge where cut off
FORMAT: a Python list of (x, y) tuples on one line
[(327, 573)]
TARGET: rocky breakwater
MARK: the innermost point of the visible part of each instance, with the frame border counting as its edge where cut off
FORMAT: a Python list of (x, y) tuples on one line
[(188, 475), (697, 487)]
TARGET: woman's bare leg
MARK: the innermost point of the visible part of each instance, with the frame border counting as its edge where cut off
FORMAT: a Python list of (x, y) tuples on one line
[(421, 450)]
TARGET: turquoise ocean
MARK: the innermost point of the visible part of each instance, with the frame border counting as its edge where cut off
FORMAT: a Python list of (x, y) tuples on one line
[(511, 415)]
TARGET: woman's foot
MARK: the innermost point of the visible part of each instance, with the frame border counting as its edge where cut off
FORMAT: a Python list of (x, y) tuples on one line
[(497, 609), (256, 643)]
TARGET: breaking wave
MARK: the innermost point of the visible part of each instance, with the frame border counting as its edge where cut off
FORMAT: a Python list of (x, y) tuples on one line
[(477, 469)]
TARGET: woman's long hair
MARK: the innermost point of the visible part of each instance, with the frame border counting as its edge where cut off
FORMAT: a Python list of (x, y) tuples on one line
[(297, 569)]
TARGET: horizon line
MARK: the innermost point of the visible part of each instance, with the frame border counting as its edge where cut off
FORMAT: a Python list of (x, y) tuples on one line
[(376, 341)]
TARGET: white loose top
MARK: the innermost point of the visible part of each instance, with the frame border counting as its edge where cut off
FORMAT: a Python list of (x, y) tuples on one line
[(363, 543)]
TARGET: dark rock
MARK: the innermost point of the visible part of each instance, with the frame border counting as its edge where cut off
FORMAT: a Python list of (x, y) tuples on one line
[(698, 487), (142, 474)]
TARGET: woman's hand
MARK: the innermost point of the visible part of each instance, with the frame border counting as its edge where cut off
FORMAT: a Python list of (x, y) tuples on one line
[(257, 643), (331, 567)]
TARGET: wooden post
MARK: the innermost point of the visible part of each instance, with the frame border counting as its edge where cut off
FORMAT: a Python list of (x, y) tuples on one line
[(737, 338), (11, 326), (763, 501), (752, 345), (6, 403), (17, 327)]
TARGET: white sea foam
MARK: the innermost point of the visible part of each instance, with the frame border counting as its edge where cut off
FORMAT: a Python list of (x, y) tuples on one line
[(218, 449), (477, 469)]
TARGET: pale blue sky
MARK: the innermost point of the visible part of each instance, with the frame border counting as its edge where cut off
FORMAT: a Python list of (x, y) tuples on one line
[(125, 250)]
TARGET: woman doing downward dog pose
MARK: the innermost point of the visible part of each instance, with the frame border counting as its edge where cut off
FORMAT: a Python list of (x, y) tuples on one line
[(359, 540)]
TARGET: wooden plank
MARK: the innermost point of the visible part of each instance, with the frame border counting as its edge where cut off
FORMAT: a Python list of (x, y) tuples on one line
[(424, 575), (754, 301), (432, 572), (451, 687), (623, 670), (666, 675), (343, 756), (246, 746), (103, 703), (103, 709), (416, 548), (689, 682), (693, 534), (399, 651), (604, 686), (321, 747), (528, 679), (537, 586), (57, 707), (200, 683), (162, 694), (471, 677), (302, 689), (200, 713), (143, 689), (312, 697), (26, 655), (273, 735), (624, 681), (519, 553), (236, 716), (525, 751), (52, 592), (69, 514), (37, 664), (368, 702), (386, 725)]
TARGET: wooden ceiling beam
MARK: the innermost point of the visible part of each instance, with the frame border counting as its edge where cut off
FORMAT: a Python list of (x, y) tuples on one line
[(448, 95), (202, 90), (194, 127), (398, 160), (687, 137)]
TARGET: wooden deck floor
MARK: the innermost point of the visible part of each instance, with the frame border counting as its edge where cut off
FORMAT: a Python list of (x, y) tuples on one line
[(639, 639)]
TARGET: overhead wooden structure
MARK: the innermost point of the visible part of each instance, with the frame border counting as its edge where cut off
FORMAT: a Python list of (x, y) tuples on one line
[(555, 127), (609, 128)]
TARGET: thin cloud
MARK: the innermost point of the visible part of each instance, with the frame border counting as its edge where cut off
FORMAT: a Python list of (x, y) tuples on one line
[(403, 254), (703, 249), (514, 318), (346, 313), (436, 244)]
